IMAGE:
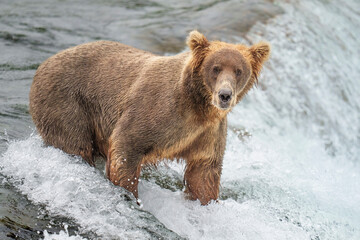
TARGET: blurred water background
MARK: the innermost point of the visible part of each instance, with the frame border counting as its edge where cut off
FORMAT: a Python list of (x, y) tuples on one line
[(292, 163)]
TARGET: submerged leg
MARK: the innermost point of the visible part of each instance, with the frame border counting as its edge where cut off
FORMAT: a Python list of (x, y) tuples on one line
[(123, 168), (202, 182)]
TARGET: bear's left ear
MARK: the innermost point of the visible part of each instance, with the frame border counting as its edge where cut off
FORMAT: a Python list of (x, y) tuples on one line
[(199, 47), (260, 53)]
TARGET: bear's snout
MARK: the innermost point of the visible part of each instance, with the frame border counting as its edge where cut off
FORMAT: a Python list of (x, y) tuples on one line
[(225, 95)]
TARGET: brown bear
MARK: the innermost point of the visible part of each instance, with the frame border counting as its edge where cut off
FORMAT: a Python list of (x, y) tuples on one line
[(135, 108)]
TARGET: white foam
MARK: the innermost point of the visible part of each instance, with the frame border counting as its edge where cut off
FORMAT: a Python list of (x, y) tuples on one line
[(278, 194), (273, 196), (62, 235), (71, 188), (225, 220)]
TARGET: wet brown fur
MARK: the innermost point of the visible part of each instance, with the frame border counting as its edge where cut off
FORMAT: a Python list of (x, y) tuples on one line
[(134, 108)]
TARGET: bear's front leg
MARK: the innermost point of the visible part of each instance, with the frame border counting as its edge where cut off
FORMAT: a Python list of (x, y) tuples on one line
[(123, 168), (202, 181)]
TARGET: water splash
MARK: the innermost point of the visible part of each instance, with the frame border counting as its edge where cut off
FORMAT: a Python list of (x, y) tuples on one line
[(68, 187), (62, 235)]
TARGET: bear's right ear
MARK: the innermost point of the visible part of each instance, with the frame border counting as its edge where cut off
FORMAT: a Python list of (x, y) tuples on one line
[(199, 47)]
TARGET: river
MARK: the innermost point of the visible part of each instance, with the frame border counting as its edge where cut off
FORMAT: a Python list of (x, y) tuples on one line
[(292, 163)]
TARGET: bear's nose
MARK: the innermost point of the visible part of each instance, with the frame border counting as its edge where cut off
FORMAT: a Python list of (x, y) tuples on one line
[(225, 95)]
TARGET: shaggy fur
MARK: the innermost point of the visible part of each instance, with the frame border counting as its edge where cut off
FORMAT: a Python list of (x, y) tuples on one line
[(134, 107)]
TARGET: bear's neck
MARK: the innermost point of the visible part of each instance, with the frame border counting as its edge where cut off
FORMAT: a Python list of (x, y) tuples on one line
[(198, 98)]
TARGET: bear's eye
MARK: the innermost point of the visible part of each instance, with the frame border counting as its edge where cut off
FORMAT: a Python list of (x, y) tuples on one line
[(217, 69), (238, 72)]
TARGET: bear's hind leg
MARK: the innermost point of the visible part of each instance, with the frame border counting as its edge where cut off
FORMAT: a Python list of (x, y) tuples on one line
[(68, 130)]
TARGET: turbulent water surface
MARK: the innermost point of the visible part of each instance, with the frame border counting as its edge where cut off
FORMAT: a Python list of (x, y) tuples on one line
[(292, 162)]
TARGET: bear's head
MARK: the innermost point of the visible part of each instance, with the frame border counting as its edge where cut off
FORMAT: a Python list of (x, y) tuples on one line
[(228, 70)]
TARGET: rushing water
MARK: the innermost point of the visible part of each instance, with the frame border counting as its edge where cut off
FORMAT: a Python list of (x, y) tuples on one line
[(292, 163)]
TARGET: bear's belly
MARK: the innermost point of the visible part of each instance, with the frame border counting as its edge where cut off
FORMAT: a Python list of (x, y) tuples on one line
[(186, 148)]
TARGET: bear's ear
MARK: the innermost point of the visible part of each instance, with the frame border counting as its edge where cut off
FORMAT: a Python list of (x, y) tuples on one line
[(260, 53), (199, 47)]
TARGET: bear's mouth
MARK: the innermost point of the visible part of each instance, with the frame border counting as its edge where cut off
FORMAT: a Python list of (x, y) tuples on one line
[(224, 106), (221, 106)]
